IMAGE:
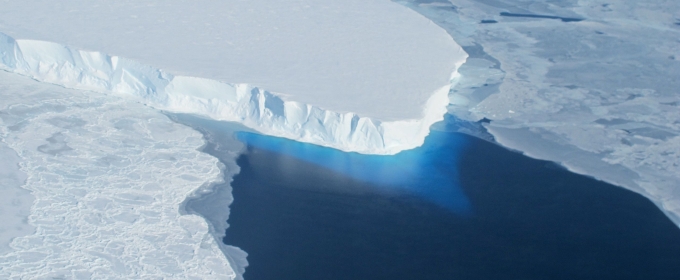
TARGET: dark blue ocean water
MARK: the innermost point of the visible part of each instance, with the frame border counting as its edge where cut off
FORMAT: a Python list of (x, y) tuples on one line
[(456, 208)]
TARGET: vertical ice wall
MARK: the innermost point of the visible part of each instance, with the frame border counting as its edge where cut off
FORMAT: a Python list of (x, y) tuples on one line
[(256, 108)]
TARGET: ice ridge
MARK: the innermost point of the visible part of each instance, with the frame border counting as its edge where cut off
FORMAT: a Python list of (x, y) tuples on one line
[(264, 111)]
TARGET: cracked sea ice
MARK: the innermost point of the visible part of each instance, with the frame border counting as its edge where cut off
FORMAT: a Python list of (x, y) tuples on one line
[(108, 176)]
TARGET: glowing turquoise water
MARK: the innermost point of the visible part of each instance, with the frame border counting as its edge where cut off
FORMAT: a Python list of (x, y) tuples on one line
[(428, 171)]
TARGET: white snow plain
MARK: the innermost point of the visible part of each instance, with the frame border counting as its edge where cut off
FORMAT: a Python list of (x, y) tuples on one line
[(107, 176), (601, 96), (364, 76)]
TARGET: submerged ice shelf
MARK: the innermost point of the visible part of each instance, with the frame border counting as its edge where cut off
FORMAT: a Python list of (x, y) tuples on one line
[(369, 77)]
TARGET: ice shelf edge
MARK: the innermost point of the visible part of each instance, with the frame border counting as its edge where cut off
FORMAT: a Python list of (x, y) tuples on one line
[(256, 108)]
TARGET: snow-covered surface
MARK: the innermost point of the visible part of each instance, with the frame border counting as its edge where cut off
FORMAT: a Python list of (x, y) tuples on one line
[(108, 176), (15, 201), (600, 96), (366, 76)]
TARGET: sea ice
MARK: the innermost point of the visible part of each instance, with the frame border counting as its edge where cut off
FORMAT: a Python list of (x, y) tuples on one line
[(15, 201), (600, 96), (108, 176)]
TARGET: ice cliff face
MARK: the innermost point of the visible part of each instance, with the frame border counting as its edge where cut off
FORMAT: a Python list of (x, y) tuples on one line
[(256, 108)]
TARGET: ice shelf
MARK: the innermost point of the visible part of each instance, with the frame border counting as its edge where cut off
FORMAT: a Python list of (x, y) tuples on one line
[(364, 76)]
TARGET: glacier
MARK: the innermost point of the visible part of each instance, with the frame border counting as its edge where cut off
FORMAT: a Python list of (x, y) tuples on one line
[(309, 71), (99, 180), (555, 90), (259, 109)]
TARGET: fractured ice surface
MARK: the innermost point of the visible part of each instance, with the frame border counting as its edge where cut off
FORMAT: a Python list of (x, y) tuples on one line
[(108, 176), (600, 96), (365, 76)]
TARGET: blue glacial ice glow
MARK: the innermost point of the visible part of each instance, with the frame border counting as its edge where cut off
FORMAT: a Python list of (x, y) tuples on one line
[(429, 172)]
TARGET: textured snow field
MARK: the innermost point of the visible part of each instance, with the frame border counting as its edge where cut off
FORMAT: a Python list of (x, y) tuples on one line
[(366, 76), (108, 176), (15, 201), (600, 96)]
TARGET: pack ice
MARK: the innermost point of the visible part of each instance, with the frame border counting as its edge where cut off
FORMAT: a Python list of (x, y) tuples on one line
[(597, 91), (364, 76), (103, 178)]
